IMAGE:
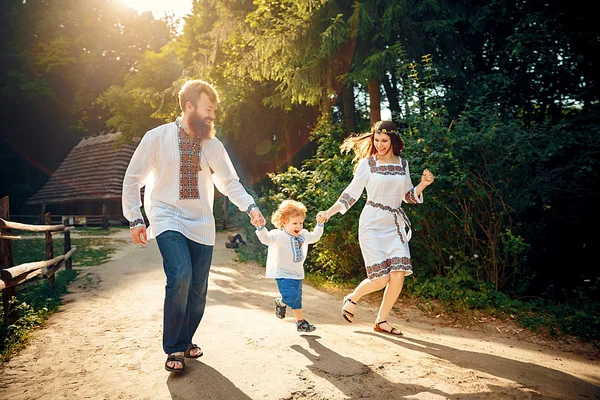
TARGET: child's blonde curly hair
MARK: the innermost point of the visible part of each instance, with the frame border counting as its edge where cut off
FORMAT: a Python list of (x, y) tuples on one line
[(286, 210)]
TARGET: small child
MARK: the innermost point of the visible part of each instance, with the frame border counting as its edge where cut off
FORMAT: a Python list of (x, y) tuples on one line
[(288, 246)]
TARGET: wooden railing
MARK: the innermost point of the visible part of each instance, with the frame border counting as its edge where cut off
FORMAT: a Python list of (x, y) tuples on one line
[(79, 219), (12, 275)]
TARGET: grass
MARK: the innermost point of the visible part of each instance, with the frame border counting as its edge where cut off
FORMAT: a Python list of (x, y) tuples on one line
[(97, 231), (35, 300)]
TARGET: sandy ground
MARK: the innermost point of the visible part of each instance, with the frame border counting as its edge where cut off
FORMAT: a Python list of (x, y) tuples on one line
[(105, 343)]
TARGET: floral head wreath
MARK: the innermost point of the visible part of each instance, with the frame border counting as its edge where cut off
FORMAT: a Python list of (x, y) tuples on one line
[(386, 131)]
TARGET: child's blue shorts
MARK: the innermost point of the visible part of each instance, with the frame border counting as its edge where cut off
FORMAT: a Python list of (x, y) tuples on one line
[(291, 292)]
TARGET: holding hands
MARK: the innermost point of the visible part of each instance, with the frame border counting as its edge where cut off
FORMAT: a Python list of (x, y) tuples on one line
[(256, 218), (322, 217)]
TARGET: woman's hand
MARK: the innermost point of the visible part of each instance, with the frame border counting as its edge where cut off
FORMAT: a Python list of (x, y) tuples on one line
[(427, 178), (322, 217)]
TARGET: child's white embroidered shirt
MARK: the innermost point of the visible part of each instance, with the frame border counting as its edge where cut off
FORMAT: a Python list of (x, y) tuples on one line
[(286, 254)]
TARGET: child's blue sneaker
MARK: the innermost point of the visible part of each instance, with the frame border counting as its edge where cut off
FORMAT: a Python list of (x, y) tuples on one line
[(304, 326)]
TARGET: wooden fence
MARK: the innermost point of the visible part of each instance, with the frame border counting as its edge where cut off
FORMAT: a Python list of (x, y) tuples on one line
[(80, 220), (12, 275)]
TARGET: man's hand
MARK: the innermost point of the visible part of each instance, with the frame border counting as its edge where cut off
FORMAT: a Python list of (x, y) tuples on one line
[(256, 218), (138, 234)]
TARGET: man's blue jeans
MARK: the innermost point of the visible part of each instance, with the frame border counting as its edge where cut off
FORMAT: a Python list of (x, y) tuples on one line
[(186, 264)]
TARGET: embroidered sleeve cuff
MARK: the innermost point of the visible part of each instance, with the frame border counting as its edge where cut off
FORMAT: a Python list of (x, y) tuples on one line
[(411, 198), (136, 222), (346, 201), (250, 208)]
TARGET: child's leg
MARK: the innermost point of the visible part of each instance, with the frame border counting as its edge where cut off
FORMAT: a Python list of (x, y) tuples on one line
[(302, 325), (298, 314), (287, 296)]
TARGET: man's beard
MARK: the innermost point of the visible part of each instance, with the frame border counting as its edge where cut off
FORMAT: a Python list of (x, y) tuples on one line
[(202, 129)]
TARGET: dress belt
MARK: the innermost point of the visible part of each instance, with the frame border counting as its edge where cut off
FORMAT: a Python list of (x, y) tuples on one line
[(399, 215)]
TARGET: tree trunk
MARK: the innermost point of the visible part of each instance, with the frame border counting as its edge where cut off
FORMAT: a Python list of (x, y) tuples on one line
[(375, 100), (391, 92), (348, 108)]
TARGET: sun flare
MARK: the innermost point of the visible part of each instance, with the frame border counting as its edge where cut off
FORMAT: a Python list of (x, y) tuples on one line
[(160, 7)]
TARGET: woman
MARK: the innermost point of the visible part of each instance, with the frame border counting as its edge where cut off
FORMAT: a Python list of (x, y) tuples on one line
[(384, 229)]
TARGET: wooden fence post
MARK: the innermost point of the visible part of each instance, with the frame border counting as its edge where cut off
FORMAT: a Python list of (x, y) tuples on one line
[(69, 262), (49, 248), (104, 216), (11, 314)]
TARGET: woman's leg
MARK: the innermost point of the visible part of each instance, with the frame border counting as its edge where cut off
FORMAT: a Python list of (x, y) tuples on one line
[(392, 291), (365, 287)]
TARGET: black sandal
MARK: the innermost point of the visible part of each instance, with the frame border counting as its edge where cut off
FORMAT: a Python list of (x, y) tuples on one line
[(395, 331), (177, 358), (348, 316), (188, 354)]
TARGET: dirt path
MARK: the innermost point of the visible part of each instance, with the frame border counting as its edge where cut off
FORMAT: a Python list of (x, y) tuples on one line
[(105, 344)]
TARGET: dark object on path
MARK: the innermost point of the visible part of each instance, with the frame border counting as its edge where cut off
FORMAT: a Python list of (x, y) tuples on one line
[(235, 241)]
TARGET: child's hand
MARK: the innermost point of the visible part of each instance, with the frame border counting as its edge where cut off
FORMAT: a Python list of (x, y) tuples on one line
[(322, 217)]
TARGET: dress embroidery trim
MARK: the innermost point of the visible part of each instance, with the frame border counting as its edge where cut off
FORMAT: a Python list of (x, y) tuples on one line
[(398, 213), (410, 197), (189, 164), (388, 169), (346, 200), (388, 265)]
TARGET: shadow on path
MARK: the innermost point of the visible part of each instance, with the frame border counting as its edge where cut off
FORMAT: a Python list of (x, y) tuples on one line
[(526, 374), (199, 381), (353, 378)]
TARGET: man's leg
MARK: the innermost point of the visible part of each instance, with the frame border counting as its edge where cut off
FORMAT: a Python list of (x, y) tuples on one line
[(178, 270), (201, 257)]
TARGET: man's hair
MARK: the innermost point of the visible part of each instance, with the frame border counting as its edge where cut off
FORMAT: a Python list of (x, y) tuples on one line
[(286, 210), (192, 89)]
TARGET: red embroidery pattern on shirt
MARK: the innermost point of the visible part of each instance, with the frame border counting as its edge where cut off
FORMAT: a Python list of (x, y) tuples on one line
[(189, 165)]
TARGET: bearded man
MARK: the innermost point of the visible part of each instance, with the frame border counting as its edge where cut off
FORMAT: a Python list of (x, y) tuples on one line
[(178, 163)]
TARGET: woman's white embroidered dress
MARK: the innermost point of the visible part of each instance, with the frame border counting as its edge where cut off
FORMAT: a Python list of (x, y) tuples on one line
[(383, 229)]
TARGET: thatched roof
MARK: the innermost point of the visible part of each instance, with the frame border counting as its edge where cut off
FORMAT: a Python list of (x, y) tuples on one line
[(94, 170)]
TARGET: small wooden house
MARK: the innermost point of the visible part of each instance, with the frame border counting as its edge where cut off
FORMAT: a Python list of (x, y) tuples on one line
[(88, 183)]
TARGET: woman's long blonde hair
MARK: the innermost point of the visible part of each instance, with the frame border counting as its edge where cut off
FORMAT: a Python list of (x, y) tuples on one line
[(286, 210), (362, 144)]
